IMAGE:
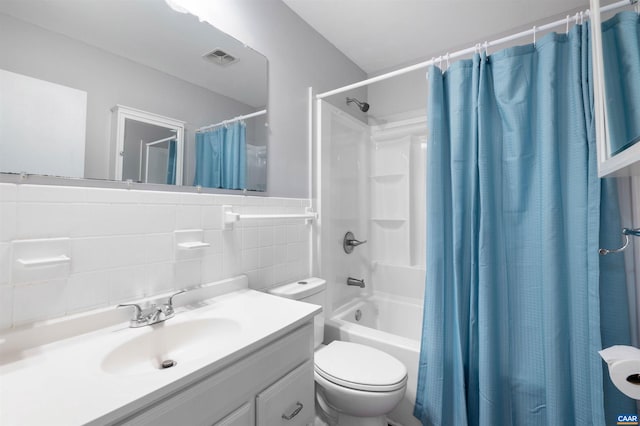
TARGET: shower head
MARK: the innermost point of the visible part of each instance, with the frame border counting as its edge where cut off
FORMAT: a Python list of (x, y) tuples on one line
[(364, 107)]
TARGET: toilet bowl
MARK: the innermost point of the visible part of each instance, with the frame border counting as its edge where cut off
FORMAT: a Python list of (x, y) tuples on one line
[(356, 385)]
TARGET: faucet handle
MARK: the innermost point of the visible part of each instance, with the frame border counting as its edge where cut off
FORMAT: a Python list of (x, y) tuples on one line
[(349, 242), (355, 243), (170, 302), (138, 312), (168, 307)]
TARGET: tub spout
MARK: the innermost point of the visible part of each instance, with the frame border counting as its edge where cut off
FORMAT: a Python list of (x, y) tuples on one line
[(356, 282)]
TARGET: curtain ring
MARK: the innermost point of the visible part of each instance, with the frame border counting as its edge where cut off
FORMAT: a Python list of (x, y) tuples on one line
[(486, 48), (568, 17), (535, 29), (447, 56), (577, 18), (581, 18)]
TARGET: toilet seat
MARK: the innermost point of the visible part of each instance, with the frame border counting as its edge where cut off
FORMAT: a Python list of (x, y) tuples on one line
[(360, 367)]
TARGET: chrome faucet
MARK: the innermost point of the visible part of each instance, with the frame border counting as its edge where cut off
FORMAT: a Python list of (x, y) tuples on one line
[(153, 314), (355, 282)]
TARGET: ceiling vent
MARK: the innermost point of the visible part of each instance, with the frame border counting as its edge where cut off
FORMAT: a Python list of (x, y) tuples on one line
[(220, 57)]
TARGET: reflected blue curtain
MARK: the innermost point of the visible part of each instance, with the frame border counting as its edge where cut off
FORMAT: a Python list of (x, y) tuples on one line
[(234, 168), (209, 158), (621, 49), (171, 164), (221, 158), (511, 324)]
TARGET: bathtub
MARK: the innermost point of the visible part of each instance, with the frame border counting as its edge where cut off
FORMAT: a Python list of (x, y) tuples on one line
[(390, 323)]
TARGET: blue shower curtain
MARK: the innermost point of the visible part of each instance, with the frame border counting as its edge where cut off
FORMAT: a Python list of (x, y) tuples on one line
[(511, 323), (171, 164), (221, 159)]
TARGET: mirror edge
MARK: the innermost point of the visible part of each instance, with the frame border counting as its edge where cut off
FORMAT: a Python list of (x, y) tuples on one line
[(626, 163), (45, 180)]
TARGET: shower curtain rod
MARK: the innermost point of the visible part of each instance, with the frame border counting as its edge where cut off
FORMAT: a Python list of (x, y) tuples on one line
[(445, 58), (170, 138), (233, 120)]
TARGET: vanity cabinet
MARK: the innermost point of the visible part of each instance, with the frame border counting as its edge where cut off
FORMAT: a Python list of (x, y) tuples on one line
[(287, 399), (272, 386), (243, 416)]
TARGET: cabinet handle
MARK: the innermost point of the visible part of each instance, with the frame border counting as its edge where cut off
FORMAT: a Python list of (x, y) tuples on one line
[(295, 412)]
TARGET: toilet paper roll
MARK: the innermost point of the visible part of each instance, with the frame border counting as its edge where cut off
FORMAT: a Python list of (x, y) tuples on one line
[(624, 368)]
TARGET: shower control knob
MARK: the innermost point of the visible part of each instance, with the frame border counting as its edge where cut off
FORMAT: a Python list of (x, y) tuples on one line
[(349, 242)]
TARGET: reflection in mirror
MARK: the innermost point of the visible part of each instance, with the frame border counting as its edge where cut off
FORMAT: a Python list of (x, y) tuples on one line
[(149, 154), (76, 60), (221, 156), (149, 147), (42, 126), (621, 56)]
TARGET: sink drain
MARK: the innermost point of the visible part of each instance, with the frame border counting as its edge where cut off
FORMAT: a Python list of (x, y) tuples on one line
[(168, 364)]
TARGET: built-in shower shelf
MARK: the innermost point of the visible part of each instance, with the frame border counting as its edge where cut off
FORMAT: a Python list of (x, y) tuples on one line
[(388, 176), (388, 219)]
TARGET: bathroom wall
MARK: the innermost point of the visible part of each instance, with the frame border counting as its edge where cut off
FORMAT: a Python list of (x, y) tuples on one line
[(122, 246), (629, 193), (398, 98), (299, 58), (121, 242)]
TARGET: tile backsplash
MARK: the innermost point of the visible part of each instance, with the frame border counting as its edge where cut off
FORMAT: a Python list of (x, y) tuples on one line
[(123, 246)]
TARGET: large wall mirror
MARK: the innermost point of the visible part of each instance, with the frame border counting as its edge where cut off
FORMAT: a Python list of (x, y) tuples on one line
[(132, 91), (617, 71)]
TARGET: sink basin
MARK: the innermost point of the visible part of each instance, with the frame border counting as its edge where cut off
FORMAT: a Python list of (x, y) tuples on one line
[(180, 342)]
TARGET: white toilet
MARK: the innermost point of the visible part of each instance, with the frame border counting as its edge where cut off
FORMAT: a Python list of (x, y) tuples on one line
[(356, 385)]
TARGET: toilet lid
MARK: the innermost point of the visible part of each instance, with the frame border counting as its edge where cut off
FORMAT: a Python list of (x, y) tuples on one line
[(360, 367)]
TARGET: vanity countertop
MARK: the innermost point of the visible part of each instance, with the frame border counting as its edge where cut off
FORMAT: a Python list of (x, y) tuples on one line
[(97, 377)]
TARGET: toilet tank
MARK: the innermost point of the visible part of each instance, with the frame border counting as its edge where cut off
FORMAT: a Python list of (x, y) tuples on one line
[(310, 290)]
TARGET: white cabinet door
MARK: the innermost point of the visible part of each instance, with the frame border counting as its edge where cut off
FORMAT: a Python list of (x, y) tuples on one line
[(289, 401), (243, 416)]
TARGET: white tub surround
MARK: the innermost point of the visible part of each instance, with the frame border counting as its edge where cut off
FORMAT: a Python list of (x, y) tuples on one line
[(93, 369)]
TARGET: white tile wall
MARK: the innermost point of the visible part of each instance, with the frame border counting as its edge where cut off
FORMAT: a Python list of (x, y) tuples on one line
[(122, 246)]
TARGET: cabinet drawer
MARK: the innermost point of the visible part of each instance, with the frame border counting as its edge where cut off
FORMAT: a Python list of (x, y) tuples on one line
[(289, 401), (241, 417)]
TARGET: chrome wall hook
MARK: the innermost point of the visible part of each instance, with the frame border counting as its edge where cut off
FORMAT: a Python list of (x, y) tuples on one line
[(625, 232)]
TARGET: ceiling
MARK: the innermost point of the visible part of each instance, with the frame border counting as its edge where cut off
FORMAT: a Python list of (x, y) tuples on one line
[(380, 35)]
